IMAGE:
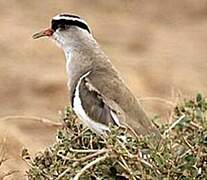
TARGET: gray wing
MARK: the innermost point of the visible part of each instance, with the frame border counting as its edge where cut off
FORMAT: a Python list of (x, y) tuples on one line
[(95, 105)]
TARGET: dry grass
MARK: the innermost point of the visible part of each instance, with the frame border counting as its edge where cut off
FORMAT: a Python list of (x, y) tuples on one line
[(4, 173)]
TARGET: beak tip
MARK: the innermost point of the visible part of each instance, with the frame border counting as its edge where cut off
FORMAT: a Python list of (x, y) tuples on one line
[(36, 35), (47, 32)]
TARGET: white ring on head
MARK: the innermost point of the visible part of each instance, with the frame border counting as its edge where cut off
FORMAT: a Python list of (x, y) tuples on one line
[(59, 17), (62, 17)]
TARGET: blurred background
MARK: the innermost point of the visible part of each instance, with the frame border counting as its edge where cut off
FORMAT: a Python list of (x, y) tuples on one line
[(160, 48)]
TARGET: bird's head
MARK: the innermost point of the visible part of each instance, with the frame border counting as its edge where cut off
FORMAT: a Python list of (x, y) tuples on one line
[(66, 29)]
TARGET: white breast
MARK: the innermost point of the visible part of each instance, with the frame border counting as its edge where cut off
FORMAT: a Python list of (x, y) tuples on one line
[(80, 112)]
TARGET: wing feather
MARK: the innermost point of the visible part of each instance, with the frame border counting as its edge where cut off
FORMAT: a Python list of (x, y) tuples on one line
[(95, 104)]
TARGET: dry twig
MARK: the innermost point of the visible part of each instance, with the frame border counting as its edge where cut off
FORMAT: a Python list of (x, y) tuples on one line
[(35, 118)]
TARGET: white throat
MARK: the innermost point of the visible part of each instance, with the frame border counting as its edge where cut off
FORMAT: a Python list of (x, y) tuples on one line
[(68, 55)]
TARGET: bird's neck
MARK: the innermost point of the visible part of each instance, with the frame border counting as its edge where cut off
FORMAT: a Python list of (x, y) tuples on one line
[(80, 55)]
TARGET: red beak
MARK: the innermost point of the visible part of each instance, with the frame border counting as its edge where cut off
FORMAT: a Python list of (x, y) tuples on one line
[(47, 32)]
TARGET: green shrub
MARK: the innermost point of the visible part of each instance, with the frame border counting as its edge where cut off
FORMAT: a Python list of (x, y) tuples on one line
[(80, 154)]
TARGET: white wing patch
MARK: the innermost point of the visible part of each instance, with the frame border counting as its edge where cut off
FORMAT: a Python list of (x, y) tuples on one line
[(78, 108), (115, 118)]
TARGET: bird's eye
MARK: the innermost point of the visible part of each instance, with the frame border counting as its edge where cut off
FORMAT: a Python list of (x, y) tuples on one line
[(61, 26)]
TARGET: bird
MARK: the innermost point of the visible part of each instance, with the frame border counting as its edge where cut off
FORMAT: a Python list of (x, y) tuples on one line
[(98, 95)]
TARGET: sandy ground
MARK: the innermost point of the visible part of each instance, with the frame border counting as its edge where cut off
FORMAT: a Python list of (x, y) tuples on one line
[(158, 46)]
